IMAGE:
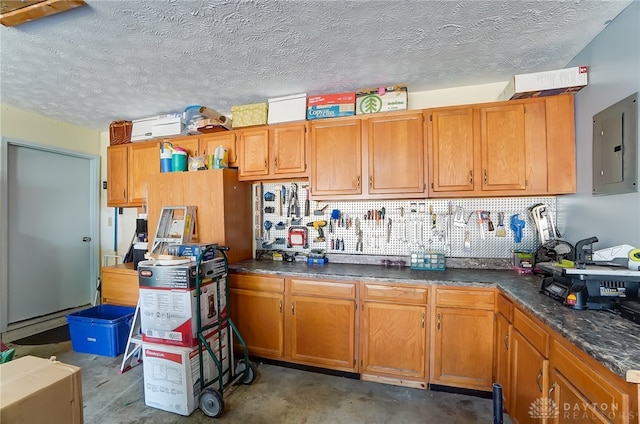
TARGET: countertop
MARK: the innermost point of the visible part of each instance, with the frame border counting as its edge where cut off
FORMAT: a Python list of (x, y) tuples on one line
[(610, 339)]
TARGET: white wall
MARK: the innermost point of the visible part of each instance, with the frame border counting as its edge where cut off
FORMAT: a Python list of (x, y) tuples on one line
[(613, 58)]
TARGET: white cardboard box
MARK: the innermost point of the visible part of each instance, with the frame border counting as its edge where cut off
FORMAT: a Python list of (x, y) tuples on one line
[(381, 99), (141, 128), (172, 373), (167, 126), (549, 83), (168, 316), (287, 109)]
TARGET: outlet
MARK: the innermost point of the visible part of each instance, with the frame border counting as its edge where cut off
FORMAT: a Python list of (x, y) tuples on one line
[(110, 222)]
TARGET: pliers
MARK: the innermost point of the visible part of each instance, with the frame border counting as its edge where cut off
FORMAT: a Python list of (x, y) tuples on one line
[(359, 244), (294, 207)]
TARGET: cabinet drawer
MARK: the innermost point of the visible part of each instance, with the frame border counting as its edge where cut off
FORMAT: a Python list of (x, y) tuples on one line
[(505, 307), (323, 288), (467, 298), (533, 331), (119, 286), (599, 389), (256, 282), (395, 293)]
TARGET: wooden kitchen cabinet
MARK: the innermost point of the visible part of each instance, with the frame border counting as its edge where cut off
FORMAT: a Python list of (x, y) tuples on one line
[(336, 158), (394, 316), (256, 308), (381, 156), (321, 319), (190, 143), (119, 285), (128, 167), (274, 152), (514, 148), (463, 334), (502, 357), (227, 139)]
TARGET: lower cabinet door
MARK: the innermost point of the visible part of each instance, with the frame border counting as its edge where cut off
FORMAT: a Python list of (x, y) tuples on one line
[(463, 348), (502, 363), (323, 331), (393, 340), (570, 406), (260, 321), (529, 382)]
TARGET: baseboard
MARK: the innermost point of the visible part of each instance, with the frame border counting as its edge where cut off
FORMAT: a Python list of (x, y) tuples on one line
[(37, 325)]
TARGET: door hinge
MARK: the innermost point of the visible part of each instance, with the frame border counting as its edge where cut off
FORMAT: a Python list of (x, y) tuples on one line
[(431, 185), (431, 118)]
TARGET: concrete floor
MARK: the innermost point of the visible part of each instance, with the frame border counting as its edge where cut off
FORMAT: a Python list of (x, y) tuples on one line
[(278, 395)]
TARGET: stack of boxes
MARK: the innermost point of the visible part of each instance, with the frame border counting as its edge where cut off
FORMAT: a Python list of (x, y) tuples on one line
[(168, 318)]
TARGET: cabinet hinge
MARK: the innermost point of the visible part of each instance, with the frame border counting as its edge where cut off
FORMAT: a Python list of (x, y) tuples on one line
[(431, 118), (431, 185), (525, 109), (361, 364)]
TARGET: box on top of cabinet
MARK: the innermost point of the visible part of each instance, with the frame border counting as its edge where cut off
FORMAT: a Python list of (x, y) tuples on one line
[(287, 109), (381, 99), (331, 105), (548, 83), (249, 115), (141, 129)]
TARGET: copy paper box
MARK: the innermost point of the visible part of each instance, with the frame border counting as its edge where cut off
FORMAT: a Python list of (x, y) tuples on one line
[(141, 129), (549, 83), (331, 105), (40, 391), (287, 109), (172, 373), (381, 99)]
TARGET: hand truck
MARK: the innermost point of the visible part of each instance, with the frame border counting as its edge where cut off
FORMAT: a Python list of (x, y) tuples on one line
[(211, 401)]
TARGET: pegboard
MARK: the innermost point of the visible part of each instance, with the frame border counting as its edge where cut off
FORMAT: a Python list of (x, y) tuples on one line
[(406, 226)]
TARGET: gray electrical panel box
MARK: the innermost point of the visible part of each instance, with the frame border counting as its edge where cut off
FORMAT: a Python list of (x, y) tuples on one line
[(615, 148)]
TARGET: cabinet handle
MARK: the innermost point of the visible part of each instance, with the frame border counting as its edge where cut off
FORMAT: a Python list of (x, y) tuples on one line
[(370, 181), (485, 177), (423, 320), (471, 177), (358, 182), (265, 164), (275, 162), (293, 310), (506, 341), (538, 380), (553, 387), (280, 306), (124, 193), (438, 326)]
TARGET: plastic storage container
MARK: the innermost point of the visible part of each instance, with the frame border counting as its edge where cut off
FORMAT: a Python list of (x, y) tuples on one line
[(166, 153), (179, 159), (428, 261), (101, 330)]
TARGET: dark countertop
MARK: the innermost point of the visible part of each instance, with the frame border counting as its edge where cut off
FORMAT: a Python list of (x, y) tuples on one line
[(610, 339)]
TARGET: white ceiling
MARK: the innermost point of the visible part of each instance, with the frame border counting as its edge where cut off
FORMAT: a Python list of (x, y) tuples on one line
[(130, 59)]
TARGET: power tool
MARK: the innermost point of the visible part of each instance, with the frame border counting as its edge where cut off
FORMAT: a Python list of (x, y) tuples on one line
[(318, 226)]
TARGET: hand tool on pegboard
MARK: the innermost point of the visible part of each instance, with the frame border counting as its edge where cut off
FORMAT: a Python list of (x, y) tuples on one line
[(307, 212), (294, 206)]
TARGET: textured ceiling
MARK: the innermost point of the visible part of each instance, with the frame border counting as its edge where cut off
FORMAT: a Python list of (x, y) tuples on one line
[(129, 59)]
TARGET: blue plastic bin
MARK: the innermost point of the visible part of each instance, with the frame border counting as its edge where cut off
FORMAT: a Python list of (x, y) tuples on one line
[(101, 330)]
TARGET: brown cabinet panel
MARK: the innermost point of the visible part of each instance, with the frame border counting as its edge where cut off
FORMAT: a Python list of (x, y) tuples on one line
[(502, 357), (336, 158), (463, 297), (571, 406), (119, 285), (385, 328), (323, 331), (190, 143), (323, 288), (253, 153), (117, 175), (451, 150), (396, 154), (395, 293), (144, 161), (529, 379), (259, 318), (463, 348), (534, 332), (256, 282), (289, 149), (226, 139), (561, 147)]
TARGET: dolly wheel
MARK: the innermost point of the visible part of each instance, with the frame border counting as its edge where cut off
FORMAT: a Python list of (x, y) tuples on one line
[(211, 403), (250, 376)]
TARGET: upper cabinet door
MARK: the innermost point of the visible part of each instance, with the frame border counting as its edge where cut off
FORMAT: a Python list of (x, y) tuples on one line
[(117, 174), (253, 153), (144, 160), (502, 135), (336, 157), (226, 139), (289, 148), (451, 150), (396, 154)]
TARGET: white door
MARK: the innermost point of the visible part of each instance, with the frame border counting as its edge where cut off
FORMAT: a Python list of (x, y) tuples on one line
[(50, 203)]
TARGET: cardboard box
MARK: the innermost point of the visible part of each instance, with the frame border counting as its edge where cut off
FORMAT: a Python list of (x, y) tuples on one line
[(35, 390), (167, 125), (381, 99), (172, 374), (331, 105), (183, 276), (547, 83), (287, 109), (168, 314), (248, 115), (192, 251), (142, 129)]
